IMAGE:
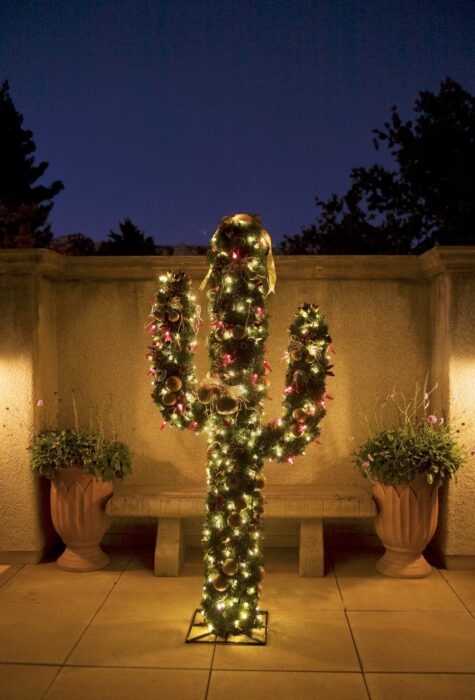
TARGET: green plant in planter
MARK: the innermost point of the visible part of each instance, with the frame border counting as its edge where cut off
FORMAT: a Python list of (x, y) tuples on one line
[(419, 443), (54, 449)]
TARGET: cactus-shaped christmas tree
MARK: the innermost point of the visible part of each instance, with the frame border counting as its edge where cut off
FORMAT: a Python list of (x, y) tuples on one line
[(228, 404)]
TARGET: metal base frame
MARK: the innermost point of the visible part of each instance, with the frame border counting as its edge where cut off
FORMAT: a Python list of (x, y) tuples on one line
[(198, 632)]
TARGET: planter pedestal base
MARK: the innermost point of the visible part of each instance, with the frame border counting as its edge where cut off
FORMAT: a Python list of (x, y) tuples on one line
[(88, 557), (403, 564), (405, 523), (78, 510)]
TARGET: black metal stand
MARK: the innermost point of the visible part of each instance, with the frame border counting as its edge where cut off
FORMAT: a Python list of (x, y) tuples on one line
[(198, 632)]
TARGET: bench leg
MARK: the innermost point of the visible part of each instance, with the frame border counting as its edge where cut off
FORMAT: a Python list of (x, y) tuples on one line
[(169, 548), (311, 548)]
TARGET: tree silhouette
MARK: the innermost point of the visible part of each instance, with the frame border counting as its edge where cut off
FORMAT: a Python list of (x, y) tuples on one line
[(129, 241), (24, 205), (428, 198)]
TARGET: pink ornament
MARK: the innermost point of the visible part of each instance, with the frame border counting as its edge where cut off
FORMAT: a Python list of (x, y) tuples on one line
[(432, 420)]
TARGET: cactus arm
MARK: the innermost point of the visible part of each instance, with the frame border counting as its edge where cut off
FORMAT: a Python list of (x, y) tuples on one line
[(304, 403), (173, 325)]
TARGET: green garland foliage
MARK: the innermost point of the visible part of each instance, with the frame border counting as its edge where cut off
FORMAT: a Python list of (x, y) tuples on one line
[(228, 404)]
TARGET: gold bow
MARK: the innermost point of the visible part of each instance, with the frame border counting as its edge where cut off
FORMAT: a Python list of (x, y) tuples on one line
[(271, 274)]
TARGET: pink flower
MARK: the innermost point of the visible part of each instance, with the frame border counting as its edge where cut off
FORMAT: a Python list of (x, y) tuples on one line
[(432, 420), (39, 402), (365, 465)]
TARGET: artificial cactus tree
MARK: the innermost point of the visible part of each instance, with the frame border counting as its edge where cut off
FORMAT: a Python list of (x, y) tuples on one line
[(228, 404)]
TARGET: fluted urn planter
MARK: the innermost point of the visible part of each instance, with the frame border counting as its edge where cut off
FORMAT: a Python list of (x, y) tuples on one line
[(405, 523), (78, 502)]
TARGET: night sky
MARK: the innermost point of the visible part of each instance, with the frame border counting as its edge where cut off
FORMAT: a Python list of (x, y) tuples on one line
[(177, 113)]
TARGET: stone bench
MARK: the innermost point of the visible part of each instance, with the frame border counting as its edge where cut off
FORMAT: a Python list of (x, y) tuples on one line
[(308, 503)]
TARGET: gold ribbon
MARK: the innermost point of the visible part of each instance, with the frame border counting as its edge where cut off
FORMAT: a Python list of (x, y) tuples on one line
[(270, 264), (271, 274), (205, 281)]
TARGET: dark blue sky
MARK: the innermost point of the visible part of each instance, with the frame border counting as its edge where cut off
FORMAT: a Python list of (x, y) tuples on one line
[(177, 113)]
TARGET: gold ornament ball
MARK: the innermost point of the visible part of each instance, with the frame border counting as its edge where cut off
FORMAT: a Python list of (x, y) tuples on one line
[(240, 503), (299, 415), (160, 375), (260, 481), (173, 316), (159, 314), (230, 567), (220, 582), (170, 399), (300, 378), (234, 519), (296, 355), (226, 405), (239, 332), (205, 395), (173, 383)]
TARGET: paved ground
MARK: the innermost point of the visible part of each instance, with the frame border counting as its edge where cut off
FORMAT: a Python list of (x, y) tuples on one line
[(119, 634)]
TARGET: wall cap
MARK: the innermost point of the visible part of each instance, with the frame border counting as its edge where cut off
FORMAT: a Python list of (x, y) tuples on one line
[(49, 263)]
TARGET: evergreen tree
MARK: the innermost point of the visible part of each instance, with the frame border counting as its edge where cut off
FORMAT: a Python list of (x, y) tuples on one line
[(24, 205), (129, 241), (428, 198)]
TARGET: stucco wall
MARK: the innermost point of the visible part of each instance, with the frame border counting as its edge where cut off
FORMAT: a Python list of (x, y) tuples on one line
[(454, 369), (390, 319), (19, 495)]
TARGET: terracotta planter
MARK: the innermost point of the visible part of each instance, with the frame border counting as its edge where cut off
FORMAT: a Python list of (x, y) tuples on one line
[(78, 502), (405, 523)]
